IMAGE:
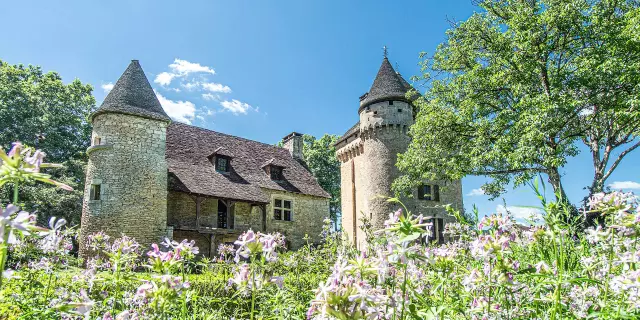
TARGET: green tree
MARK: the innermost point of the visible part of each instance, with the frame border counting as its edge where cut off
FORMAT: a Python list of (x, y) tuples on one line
[(517, 87), (320, 157), (38, 109)]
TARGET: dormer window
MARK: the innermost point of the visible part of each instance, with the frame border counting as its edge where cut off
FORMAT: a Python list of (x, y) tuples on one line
[(222, 164), (275, 173)]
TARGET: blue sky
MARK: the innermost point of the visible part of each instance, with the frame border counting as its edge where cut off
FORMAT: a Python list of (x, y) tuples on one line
[(256, 69)]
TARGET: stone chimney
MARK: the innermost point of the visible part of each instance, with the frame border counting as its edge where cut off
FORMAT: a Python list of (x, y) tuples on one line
[(293, 143)]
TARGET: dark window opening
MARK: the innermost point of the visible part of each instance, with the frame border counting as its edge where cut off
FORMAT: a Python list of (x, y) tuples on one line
[(440, 230), (375, 112), (399, 110), (429, 192), (94, 193), (222, 215), (97, 141), (283, 210), (222, 164), (276, 173), (390, 102)]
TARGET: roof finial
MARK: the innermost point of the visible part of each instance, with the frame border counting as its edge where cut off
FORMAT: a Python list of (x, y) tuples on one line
[(385, 51)]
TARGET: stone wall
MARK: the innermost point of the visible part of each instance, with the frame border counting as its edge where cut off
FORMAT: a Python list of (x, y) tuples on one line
[(370, 157), (308, 215), (130, 167)]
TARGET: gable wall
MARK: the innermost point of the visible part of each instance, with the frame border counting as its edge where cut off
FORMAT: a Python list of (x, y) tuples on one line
[(308, 215)]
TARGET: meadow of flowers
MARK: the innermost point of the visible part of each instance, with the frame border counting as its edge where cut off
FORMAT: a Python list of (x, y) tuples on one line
[(491, 268)]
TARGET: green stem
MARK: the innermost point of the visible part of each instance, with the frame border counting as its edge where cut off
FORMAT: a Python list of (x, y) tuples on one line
[(15, 193), (404, 291), (253, 288)]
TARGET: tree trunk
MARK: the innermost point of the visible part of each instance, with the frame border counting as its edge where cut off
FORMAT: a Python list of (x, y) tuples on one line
[(554, 179)]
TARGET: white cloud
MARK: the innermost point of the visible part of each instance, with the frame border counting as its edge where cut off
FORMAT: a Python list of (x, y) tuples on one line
[(181, 68), (164, 78), (107, 87), (216, 87), (211, 96), (191, 85), (182, 111), (476, 192), (184, 67), (624, 185), (519, 213), (235, 106)]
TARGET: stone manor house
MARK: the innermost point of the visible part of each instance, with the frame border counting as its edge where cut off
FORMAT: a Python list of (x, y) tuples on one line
[(368, 154), (151, 178)]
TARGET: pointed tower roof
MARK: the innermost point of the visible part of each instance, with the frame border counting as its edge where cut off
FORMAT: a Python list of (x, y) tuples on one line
[(388, 85), (133, 95)]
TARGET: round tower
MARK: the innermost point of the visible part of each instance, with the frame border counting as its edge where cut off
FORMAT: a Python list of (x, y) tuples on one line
[(126, 178), (385, 117)]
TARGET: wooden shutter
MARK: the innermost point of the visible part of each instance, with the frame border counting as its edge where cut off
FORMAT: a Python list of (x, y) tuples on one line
[(436, 192)]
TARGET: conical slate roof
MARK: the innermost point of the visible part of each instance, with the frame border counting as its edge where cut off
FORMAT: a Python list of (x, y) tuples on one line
[(133, 95), (388, 85)]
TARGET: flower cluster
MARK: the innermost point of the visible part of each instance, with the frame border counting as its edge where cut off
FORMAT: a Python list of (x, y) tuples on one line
[(258, 244)]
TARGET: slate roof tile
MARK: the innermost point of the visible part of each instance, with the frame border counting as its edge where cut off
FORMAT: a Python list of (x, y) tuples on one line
[(132, 94), (188, 151)]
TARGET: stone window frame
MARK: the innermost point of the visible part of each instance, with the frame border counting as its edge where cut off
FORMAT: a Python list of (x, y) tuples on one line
[(432, 195), (101, 186), (97, 141), (282, 208)]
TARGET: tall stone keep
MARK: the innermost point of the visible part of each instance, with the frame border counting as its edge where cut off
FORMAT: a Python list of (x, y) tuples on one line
[(368, 153), (126, 179), (385, 117)]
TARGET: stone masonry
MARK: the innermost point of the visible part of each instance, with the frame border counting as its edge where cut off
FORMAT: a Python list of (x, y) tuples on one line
[(149, 178), (368, 153), (129, 165)]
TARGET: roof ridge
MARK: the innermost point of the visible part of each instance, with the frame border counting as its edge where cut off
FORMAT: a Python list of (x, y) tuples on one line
[(228, 135)]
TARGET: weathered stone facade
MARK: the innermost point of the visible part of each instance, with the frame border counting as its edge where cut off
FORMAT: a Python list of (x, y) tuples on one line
[(148, 178), (308, 215), (187, 223), (129, 166), (368, 154)]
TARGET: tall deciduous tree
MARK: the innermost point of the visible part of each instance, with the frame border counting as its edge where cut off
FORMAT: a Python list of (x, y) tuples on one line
[(518, 86), (320, 157), (38, 109)]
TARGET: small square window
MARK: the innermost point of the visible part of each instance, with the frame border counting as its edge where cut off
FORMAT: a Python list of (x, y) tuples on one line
[(97, 141), (94, 192), (222, 164), (375, 112), (399, 110), (429, 192), (282, 210), (390, 102)]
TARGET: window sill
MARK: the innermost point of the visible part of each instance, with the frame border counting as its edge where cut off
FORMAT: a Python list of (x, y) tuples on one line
[(98, 147)]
